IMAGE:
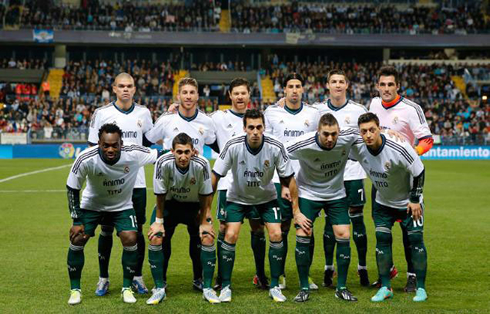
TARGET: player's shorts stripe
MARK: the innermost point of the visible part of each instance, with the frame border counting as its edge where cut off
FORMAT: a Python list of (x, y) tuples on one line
[(417, 108), (83, 157), (300, 144), (278, 144), (234, 141), (400, 149)]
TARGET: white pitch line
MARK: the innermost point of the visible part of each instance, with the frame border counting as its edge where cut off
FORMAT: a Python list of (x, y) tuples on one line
[(32, 191), (33, 172)]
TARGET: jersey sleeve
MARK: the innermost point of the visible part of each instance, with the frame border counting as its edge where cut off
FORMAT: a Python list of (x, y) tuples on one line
[(157, 132), (418, 124), (206, 187), (269, 130), (211, 134), (224, 162), (416, 167), (283, 163), (160, 178), (293, 151), (93, 131), (77, 175), (355, 151), (147, 122), (146, 155)]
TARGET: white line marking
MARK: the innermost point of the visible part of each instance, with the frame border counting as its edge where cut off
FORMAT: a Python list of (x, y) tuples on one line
[(33, 172), (32, 191)]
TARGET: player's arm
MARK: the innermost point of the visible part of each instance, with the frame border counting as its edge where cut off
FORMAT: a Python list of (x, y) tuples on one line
[(156, 228), (420, 128), (74, 184), (417, 170), (221, 166), (299, 218)]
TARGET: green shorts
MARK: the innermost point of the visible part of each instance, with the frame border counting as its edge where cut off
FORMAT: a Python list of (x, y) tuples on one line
[(176, 213), (268, 212), (337, 210), (284, 204), (356, 196), (221, 208), (139, 204), (124, 220), (386, 217)]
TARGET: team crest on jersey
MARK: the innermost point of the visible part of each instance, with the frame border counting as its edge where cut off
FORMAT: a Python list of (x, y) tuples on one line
[(126, 169), (139, 123), (307, 123), (201, 130), (387, 165), (266, 163), (395, 120), (347, 120), (193, 181)]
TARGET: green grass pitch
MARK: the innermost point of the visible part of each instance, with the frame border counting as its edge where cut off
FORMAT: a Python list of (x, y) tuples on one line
[(34, 227)]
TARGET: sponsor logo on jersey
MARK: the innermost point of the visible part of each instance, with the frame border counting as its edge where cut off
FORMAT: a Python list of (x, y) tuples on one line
[(387, 165), (193, 181), (139, 123), (293, 133), (113, 182), (182, 189), (126, 169), (129, 134)]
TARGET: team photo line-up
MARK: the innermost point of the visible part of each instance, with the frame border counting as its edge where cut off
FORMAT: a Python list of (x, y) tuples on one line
[(277, 168)]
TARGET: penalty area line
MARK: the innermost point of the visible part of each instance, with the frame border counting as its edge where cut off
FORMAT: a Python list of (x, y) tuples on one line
[(33, 172)]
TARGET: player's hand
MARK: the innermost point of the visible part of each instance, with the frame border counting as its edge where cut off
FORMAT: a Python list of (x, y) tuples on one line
[(76, 230), (206, 229), (281, 102), (156, 230), (173, 108), (303, 222), (396, 135), (416, 211), (285, 193)]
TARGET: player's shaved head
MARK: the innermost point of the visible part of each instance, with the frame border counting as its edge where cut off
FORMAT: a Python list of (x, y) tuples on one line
[(123, 75)]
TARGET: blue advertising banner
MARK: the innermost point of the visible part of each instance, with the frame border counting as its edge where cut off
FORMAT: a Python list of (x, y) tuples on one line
[(458, 152)]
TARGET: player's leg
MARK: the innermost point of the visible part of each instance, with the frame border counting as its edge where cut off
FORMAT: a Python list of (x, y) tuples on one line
[(302, 251), (208, 262), (384, 218), (126, 227), (411, 284), (357, 198), (139, 205), (76, 256), (328, 248), (287, 216), (338, 210), (169, 223), (234, 218), (221, 217), (271, 215), (191, 220), (415, 232), (156, 258), (104, 250), (258, 248)]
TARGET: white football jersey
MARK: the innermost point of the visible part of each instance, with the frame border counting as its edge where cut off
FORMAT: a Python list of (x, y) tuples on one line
[(253, 170), (405, 117), (134, 123), (347, 116), (182, 185), (109, 187), (200, 128), (391, 169), (287, 125), (321, 174), (228, 124)]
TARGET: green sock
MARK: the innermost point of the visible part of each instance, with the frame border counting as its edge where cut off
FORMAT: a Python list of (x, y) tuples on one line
[(343, 261), (258, 248), (276, 261), (140, 239), (227, 260), (384, 257), (129, 263), (105, 247), (360, 236), (419, 257), (75, 261), (285, 243), (221, 238), (155, 257), (312, 247), (328, 243), (303, 260), (208, 262)]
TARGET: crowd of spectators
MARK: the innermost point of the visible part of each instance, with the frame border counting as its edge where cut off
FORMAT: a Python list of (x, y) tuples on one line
[(294, 16), (12, 63)]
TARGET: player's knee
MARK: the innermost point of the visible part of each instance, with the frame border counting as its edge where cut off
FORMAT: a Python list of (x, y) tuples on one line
[(383, 236), (275, 235), (128, 238), (231, 236), (222, 227), (80, 240), (416, 238), (207, 240), (342, 232), (156, 241)]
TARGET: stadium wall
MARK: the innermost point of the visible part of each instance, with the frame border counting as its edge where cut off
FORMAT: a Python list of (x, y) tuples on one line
[(69, 151)]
